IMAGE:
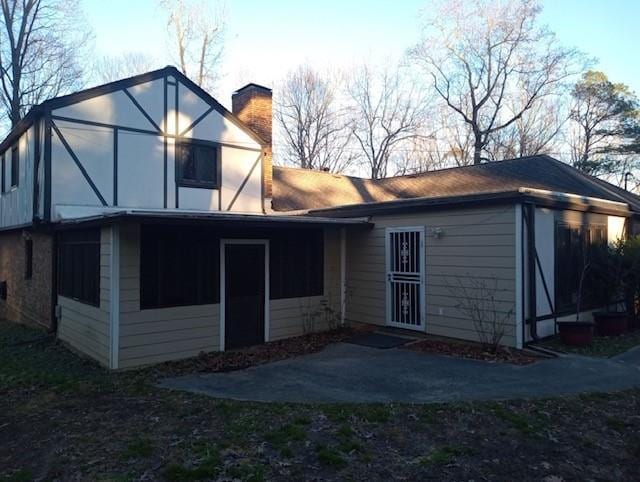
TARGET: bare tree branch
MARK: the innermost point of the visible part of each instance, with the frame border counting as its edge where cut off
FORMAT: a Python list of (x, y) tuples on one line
[(387, 113), (314, 127), (41, 44), (491, 63), (196, 29)]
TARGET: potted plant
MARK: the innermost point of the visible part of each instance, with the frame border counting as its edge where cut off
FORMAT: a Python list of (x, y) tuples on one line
[(578, 332), (607, 278)]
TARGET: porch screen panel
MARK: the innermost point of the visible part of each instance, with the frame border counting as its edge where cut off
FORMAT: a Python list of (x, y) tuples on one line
[(79, 265), (179, 266)]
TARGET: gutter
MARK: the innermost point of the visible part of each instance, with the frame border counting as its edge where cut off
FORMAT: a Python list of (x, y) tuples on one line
[(563, 196), (546, 198)]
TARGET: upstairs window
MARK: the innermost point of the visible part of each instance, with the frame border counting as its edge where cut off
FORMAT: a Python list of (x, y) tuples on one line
[(3, 188), (15, 165), (197, 163)]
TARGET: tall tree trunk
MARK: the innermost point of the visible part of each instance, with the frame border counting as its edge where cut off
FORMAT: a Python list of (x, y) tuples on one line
[(477, 149)]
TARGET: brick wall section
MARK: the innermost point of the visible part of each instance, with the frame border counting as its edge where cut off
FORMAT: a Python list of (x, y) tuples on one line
[(28, 300), (252, 104)]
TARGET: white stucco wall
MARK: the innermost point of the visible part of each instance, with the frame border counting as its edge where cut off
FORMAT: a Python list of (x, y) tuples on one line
[(127, 138)]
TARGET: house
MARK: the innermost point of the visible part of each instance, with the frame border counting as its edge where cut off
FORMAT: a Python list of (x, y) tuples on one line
[(142, 222)]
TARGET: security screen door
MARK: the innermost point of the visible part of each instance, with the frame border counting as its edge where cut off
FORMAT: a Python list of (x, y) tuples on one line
[(405, 277)]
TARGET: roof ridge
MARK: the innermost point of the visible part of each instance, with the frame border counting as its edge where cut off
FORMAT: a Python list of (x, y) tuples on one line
[(317, 171), (468, 166)]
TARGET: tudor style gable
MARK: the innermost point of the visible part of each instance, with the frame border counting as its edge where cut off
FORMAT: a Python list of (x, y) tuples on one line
[(154, 141)]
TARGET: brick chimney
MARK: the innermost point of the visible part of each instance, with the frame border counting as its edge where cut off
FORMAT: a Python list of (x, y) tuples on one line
[(252, 105)]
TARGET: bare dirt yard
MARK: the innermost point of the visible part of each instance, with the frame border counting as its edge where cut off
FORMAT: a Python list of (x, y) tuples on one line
[(64, 418)]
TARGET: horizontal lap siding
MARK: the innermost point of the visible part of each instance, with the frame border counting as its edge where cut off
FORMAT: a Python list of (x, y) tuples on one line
[(157, 335), (86, 327), (151, 336), (475, 243), (296, 316)]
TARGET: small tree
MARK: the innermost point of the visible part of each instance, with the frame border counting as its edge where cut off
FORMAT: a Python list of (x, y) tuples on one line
[(629, 250), (478, 300), (605, 263)]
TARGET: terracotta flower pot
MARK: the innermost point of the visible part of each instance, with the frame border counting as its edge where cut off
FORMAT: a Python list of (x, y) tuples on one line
[(611, 323), (576, 333)]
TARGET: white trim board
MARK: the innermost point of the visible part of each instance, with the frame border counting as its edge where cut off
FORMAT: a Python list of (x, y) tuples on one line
[(114, 297), (223, 244), (519, 281)]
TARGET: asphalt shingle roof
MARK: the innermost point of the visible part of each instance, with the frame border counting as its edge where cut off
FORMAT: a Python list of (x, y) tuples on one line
[(300, 189)]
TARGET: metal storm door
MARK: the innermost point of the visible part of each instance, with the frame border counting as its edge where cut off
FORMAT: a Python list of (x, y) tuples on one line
[(405, 277)]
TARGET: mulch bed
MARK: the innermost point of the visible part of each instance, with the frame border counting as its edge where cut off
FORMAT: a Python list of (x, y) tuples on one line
[(473, 351), (602, 346), (256, 355)]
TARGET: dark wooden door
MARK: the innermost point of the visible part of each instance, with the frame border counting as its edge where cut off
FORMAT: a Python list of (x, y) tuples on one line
[(244, 295)]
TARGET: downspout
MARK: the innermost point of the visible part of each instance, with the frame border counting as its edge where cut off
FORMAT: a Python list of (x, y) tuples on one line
[(523, 298), (54, 283), (343, 275)]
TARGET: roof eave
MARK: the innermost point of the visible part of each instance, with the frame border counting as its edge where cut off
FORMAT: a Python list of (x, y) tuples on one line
[(539, 197), (237, 219)]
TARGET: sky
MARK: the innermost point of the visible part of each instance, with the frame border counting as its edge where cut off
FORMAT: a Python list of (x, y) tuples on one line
[(265, 39)]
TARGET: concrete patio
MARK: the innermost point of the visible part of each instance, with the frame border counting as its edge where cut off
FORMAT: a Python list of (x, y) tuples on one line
[(350, 373)]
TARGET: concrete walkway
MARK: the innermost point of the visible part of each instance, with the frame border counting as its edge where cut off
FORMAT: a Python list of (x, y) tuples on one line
[(351, 373)]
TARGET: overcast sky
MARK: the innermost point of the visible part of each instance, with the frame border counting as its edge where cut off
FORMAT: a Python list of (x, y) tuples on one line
[(267, 38)]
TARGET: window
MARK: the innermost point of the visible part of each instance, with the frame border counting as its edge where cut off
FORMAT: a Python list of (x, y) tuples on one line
[(197, 163), (3, 188), (79, 265), (575, 246), (179, 266), (297, 264), (28, 258), (15, 165)]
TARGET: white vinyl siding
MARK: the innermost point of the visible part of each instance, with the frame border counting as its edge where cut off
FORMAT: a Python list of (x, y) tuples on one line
[(16, 202)]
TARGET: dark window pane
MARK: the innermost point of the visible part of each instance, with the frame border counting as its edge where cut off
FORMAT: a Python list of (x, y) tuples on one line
[(575, 247), (198, 163), (296, 264), (15, 165), (179, 267), (79, 265)]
